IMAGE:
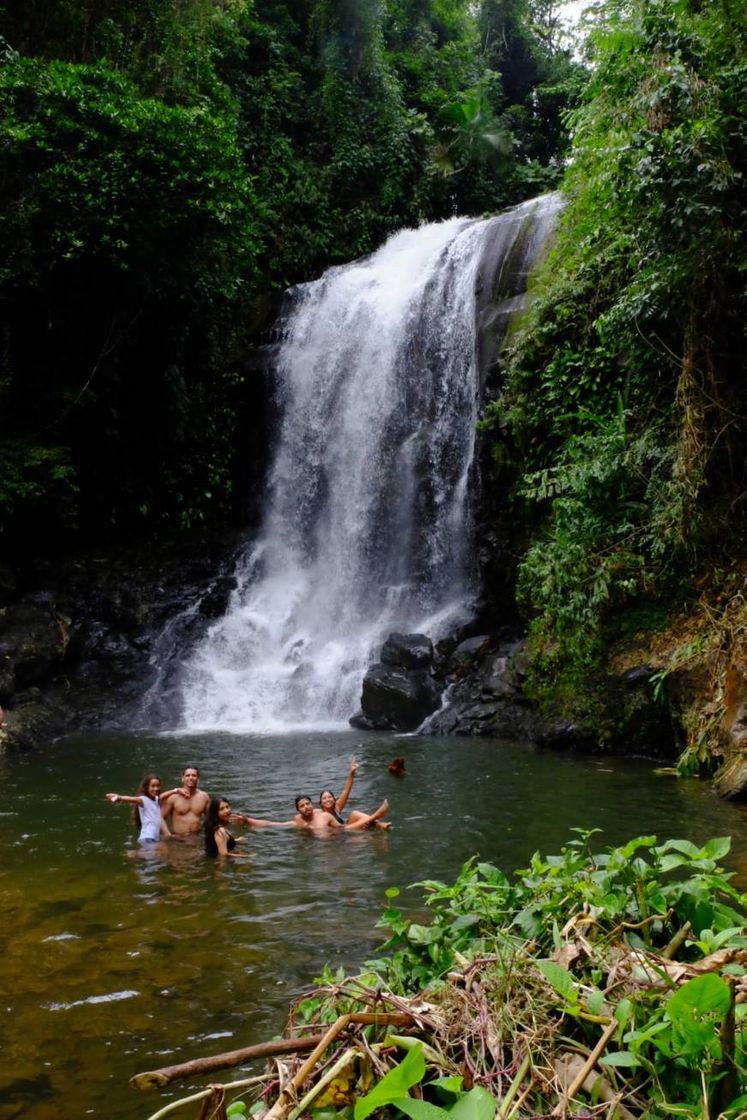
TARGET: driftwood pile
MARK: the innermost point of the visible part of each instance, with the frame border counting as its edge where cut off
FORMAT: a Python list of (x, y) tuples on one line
[(494, 1021)]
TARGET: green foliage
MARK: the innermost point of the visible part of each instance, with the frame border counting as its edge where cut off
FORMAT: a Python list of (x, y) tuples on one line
[(677, 1046), (419, 954), (38, 478), (392, 1091), (484, 912), (126, 224), (94, 170), (622, 402), (394, 1085), (168, 167)]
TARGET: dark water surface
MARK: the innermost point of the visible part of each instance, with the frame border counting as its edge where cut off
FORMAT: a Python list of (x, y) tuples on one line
[(116, 961)]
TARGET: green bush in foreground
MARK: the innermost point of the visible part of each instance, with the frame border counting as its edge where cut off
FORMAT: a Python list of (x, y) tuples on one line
[(518, 979)]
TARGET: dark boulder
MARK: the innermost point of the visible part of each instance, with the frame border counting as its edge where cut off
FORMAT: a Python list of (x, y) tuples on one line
[(469, 654), (485, 697), (396, 699), (408, 651)]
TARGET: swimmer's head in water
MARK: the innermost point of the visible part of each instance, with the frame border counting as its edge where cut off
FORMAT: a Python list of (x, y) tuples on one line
[(219, 810), (150, 785), (304, 806), (327, 800), (191, 776)]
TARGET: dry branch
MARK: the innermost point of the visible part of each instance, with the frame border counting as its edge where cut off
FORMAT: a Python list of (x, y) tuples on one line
[(157, 1078), (280, 1109)]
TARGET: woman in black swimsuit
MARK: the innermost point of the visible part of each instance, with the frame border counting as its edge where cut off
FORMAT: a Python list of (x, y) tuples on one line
[(218, 840)]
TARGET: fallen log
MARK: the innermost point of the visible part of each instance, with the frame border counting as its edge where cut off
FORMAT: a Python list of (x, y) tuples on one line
[(157, 1078)]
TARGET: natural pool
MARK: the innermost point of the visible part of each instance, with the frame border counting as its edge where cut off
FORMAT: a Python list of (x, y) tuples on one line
[(116, 961)]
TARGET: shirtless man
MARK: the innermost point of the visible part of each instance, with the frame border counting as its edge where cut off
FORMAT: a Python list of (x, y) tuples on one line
[(319, 820), (186, 805)]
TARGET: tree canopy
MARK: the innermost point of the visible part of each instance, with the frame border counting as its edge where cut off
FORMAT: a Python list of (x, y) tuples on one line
[(167, 168)]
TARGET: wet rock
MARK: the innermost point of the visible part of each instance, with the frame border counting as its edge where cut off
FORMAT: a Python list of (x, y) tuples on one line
[(215, 603), (731, 779), (35, 636), (396, 699), (499, 681), (485, 695), (468, 653), (81, 653), (408, 651)]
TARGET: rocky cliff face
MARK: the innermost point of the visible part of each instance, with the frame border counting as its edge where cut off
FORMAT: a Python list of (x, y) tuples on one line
[(478, 687), (77, 635)]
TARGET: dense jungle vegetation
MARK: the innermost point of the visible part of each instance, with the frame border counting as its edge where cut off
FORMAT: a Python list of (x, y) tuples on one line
[(622, 429), (168, 168)]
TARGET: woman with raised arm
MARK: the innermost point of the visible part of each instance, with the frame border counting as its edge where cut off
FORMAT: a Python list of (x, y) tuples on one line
[(334, 805)]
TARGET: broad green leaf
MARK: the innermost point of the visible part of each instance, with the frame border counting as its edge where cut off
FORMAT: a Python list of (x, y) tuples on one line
[(624, 1012), (700, 996), (477, 1104), (620, 1058), (595, 1002), (393, 1085), (419, 1110), (716, 848), (451, 1085), (636, 843), (423, 935), (669, 862), (464, 921), (686, 847), (560, 978)]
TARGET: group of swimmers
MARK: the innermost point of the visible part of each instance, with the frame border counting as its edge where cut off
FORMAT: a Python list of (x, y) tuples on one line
[(187, 809)]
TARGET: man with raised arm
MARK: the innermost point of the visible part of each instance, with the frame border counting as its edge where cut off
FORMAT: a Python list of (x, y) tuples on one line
[(186, 805)]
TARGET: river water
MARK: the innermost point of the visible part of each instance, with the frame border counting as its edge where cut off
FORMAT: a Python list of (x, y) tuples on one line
[(116, 961)]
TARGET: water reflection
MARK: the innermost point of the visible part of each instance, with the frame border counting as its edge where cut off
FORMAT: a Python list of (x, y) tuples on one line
[(118, 959)]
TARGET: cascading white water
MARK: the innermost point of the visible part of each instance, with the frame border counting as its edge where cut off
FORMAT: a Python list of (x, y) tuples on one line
[(367, 525)]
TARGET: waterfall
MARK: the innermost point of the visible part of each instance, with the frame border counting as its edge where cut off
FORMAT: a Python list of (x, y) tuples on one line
[(368, 519)]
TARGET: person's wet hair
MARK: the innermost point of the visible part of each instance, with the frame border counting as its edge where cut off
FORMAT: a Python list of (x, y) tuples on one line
[(212, 823)]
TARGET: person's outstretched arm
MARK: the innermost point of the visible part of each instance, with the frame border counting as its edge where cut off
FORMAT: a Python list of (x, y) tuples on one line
[(342, 800), (116, 797), (259, 822)]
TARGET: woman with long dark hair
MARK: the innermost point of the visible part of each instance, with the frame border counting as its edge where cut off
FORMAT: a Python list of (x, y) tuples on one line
[(218, 840), (146, 814)]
